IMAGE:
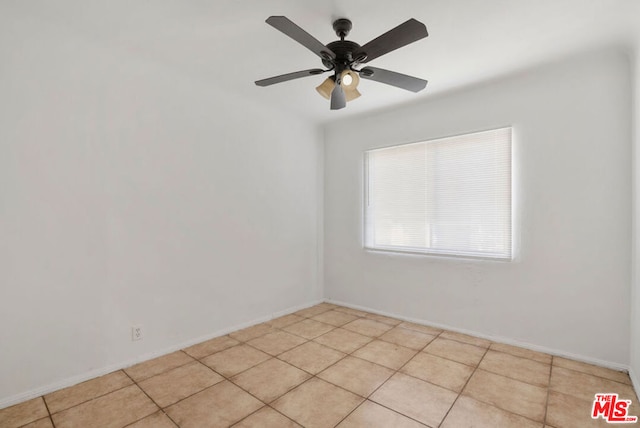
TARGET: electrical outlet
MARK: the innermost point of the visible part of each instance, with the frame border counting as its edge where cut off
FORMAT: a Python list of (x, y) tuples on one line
[(136, 332)]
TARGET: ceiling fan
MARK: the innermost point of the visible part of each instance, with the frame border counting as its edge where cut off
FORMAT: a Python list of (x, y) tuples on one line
[(343, 57)]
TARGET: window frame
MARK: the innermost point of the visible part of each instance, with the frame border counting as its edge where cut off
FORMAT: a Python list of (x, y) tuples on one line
[(430, 252)]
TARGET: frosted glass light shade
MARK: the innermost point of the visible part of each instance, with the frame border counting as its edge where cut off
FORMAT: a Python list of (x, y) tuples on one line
[(326, 87)]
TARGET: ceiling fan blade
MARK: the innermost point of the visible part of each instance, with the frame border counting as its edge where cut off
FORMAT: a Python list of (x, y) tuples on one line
[(289, 76), (392, 78), (289, 28), (338, 98), (405, 33)]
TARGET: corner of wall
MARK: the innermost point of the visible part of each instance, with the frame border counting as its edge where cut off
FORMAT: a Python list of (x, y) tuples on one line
[(320, 291), (634, 358)]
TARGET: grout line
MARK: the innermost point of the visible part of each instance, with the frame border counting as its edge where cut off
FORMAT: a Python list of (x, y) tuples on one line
[(48, 411), (491, 404), (390, 376), (546, 403), (192, 360), (354, 409), (250, 414), (516, 379), (152, 400), (32, 422), (465, 385), (276, 410), (594, 375), (214, 352), (90, 399), (228, 378), (314, 376)]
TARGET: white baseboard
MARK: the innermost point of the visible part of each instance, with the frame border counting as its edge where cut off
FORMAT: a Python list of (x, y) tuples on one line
[(74, 380), (498, 339)]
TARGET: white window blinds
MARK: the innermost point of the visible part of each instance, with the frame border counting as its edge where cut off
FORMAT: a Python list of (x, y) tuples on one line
[(447, 196)]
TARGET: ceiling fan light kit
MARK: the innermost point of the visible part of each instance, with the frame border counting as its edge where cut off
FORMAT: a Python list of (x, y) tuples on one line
[(349, 80), (344, 57)]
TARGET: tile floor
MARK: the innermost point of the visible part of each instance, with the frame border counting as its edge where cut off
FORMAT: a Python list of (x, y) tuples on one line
[(329, 366)]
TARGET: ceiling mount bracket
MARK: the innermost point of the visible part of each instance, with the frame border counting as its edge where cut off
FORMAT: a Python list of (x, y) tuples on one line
[(342, 27)]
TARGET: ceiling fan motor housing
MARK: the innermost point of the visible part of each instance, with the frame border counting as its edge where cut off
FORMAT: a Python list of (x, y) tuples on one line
[(344, 50)]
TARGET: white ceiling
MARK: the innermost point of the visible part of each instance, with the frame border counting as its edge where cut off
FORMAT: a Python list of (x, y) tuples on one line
[(227, 41)]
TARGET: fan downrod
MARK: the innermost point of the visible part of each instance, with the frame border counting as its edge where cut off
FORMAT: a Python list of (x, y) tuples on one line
[(342, 27)]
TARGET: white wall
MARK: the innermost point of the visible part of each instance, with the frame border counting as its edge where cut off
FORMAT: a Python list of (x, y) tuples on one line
[(133, 194), (568, 289)]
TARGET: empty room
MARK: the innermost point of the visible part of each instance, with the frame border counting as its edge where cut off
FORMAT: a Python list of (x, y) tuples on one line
[(220, 213)]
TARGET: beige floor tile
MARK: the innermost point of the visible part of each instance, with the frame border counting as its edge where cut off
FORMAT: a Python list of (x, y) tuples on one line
[(456, 351), (469, 413), (40, 423), (235, 360), (157, 420), (465, 338), (312, 357), (313, 311), (309, 329), (372, 415), (211, 346), (421, 328), (368, 327), (113, 410), (521, 352), (585, 386), (172, 386), (351, 311), (407, 338), (270, 380), (385, 353), (415, 398), (384, 319), (317, 404), (221, 405), (285, 320), (343, 340), (23, 413), (518, 368), (439, 371), (610, 374), (508, 394), (358, 376), (266, 418), (634, 409), (252, 332), (277, 342), (566, 411), (328, 305), (335, 318), (158, 365), (68, 397)]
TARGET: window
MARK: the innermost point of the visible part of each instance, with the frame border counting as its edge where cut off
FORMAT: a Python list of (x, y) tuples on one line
[(447, 196)]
